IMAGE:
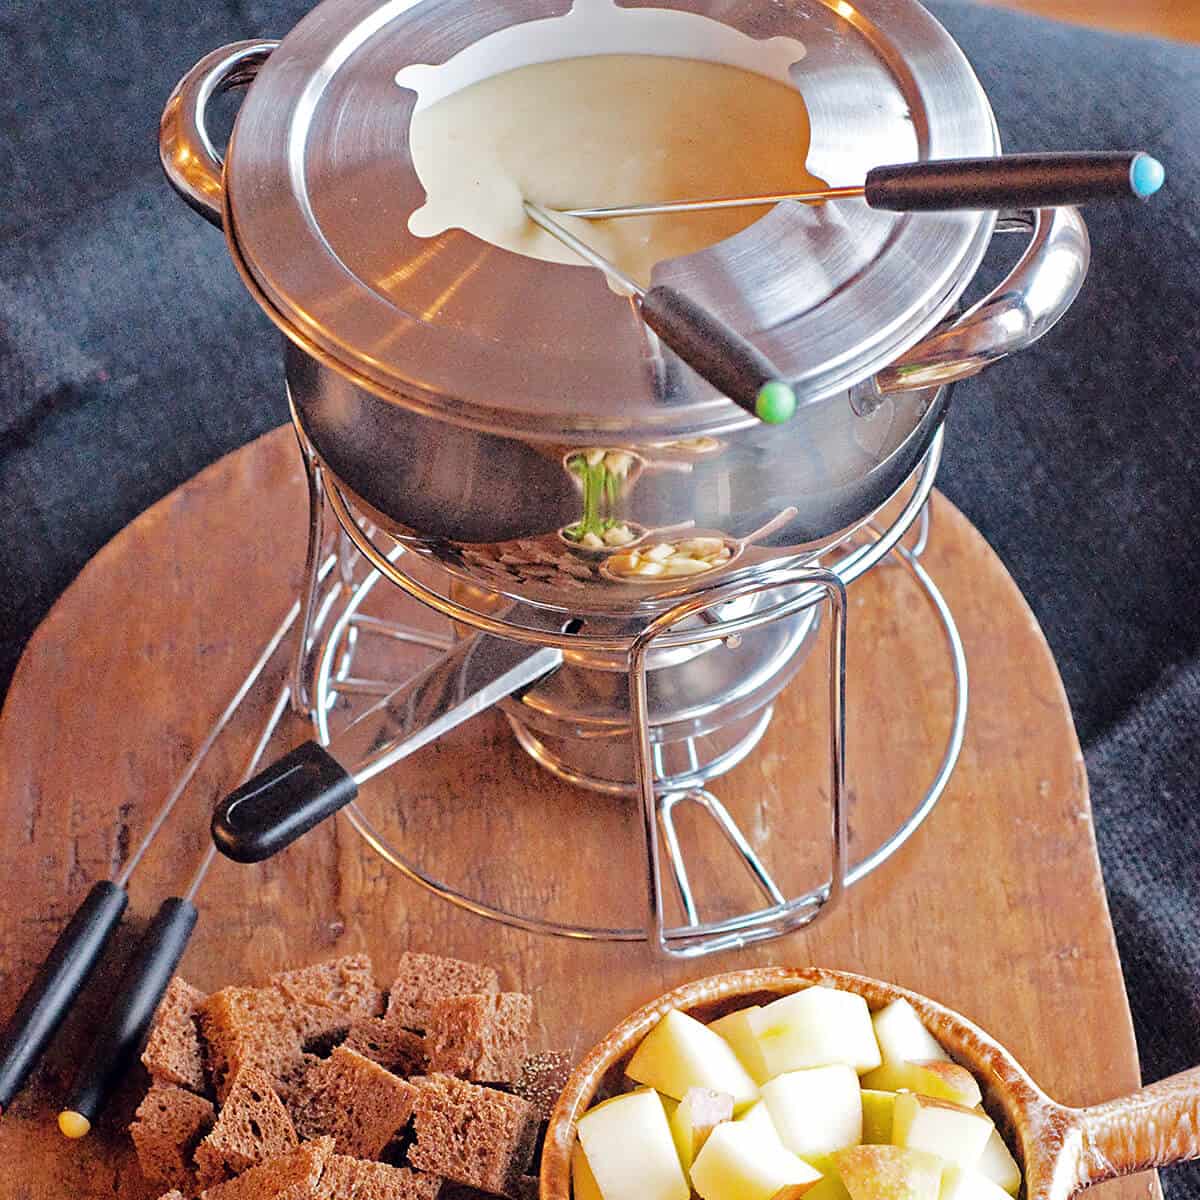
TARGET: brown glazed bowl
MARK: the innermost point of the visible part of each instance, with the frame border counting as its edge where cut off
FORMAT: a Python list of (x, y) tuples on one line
[(1061, 1150)]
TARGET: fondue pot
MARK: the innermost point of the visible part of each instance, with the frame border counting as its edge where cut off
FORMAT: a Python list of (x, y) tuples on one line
[(490, 410)]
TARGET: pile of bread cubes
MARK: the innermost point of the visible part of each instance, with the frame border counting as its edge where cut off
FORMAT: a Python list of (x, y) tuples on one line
[(318, 1086)]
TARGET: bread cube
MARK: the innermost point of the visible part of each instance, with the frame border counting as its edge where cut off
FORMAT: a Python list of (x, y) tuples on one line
[(480, 1037), (422, 979)]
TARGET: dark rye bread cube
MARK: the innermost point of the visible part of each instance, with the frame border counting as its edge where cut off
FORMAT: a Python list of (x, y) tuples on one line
[(482, 1037), (292, 1176), (422, 979), (253, 1126), (355, 1101), (343, 986), (172, 1054), (261, 1027), (166, 1128), (353, 1179), (472, 1135), (398, 1050), (252, 1027)]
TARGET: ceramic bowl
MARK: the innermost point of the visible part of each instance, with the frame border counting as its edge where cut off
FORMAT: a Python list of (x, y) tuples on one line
[(1061, 1150)]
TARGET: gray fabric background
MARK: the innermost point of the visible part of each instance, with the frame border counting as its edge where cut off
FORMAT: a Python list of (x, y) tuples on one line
[(130, 358)]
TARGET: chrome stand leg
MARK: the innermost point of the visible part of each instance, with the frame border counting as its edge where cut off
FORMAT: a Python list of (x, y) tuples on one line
[(924, 524), (301, 698), (695, 939)]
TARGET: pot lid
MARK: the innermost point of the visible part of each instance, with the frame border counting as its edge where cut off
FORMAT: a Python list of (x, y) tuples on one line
[(320, 187)]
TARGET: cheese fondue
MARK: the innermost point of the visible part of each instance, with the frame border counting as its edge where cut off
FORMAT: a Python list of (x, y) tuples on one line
[(609, 129)]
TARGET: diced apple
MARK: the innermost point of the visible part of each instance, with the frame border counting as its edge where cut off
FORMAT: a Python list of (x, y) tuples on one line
[(679, 1053), (831, 1186), (583, 1182), (742, 1160), (889, 1173), (941, 1080), (877, 1116), (950, 1131), (958, 1184), (817, 1027), (902, 1036), (758, 1116), (816, 1111), (695, 1117), (630, 1150), (737, 1031), (997, 1164)]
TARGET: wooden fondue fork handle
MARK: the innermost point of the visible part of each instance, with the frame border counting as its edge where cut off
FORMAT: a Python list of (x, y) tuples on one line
[(1156, 1127)]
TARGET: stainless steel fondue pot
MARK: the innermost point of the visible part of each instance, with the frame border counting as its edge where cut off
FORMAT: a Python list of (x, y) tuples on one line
[(491, 410)]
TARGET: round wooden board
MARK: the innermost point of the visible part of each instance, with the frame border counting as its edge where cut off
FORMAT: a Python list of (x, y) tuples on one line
[(996, 907)]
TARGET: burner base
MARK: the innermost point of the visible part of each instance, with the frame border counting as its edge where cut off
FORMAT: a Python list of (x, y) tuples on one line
[(604, 765)]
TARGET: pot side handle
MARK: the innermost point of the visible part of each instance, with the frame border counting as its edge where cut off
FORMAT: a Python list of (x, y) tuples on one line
[(1156, 1127), (191, 162), (1027, 303)]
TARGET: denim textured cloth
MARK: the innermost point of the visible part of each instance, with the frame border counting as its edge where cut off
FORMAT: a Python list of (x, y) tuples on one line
[(131, 357)]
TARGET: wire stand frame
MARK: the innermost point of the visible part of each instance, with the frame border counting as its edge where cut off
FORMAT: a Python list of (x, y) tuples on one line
[(328, 661)]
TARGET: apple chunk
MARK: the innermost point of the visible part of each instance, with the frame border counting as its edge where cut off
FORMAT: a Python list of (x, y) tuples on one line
[(759, 1117), (679, 1053), (695, 1117), (998, 1165), (583, 1182), (743, 1160), (630, 1150), (941, 1080), (889, 1173), (877, 1110), (739, 1033), (903, 1037), (817, 1027), (948, 1130), (831, 1186), (816, 1111), (958, 1184)]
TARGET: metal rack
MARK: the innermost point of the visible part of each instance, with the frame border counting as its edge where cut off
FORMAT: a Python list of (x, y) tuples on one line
[(335, 625)]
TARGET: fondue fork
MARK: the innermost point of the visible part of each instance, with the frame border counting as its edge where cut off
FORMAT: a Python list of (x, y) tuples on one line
[(66, 969), (717, 353), (1008, 181)]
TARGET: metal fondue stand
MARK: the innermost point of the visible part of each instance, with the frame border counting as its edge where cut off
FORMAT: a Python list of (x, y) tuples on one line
[(443, 445), (325, 686)]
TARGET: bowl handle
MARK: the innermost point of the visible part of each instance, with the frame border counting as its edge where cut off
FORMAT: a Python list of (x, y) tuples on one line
[(1025, 305), (1155, 1127), (192, 164)]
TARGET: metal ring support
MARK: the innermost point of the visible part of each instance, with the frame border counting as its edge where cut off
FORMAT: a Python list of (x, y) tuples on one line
[(849, 568)]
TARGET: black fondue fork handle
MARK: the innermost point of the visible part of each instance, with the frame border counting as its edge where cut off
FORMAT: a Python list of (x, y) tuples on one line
[(718, 353), (119, 1036), (1013, 181), (55, 987)]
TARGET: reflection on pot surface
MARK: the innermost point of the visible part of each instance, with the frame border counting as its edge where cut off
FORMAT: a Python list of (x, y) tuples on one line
[(603, 475), (672, 560)]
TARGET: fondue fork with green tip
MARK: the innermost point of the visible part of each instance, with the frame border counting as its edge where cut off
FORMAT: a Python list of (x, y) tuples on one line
[(717, 353), (1008, 181)]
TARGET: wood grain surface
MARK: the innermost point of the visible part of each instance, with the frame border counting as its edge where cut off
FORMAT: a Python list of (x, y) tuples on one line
[(995, 908)]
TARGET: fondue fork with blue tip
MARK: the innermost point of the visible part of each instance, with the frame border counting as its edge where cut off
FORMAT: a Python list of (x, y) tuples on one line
[(1016, 181)]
